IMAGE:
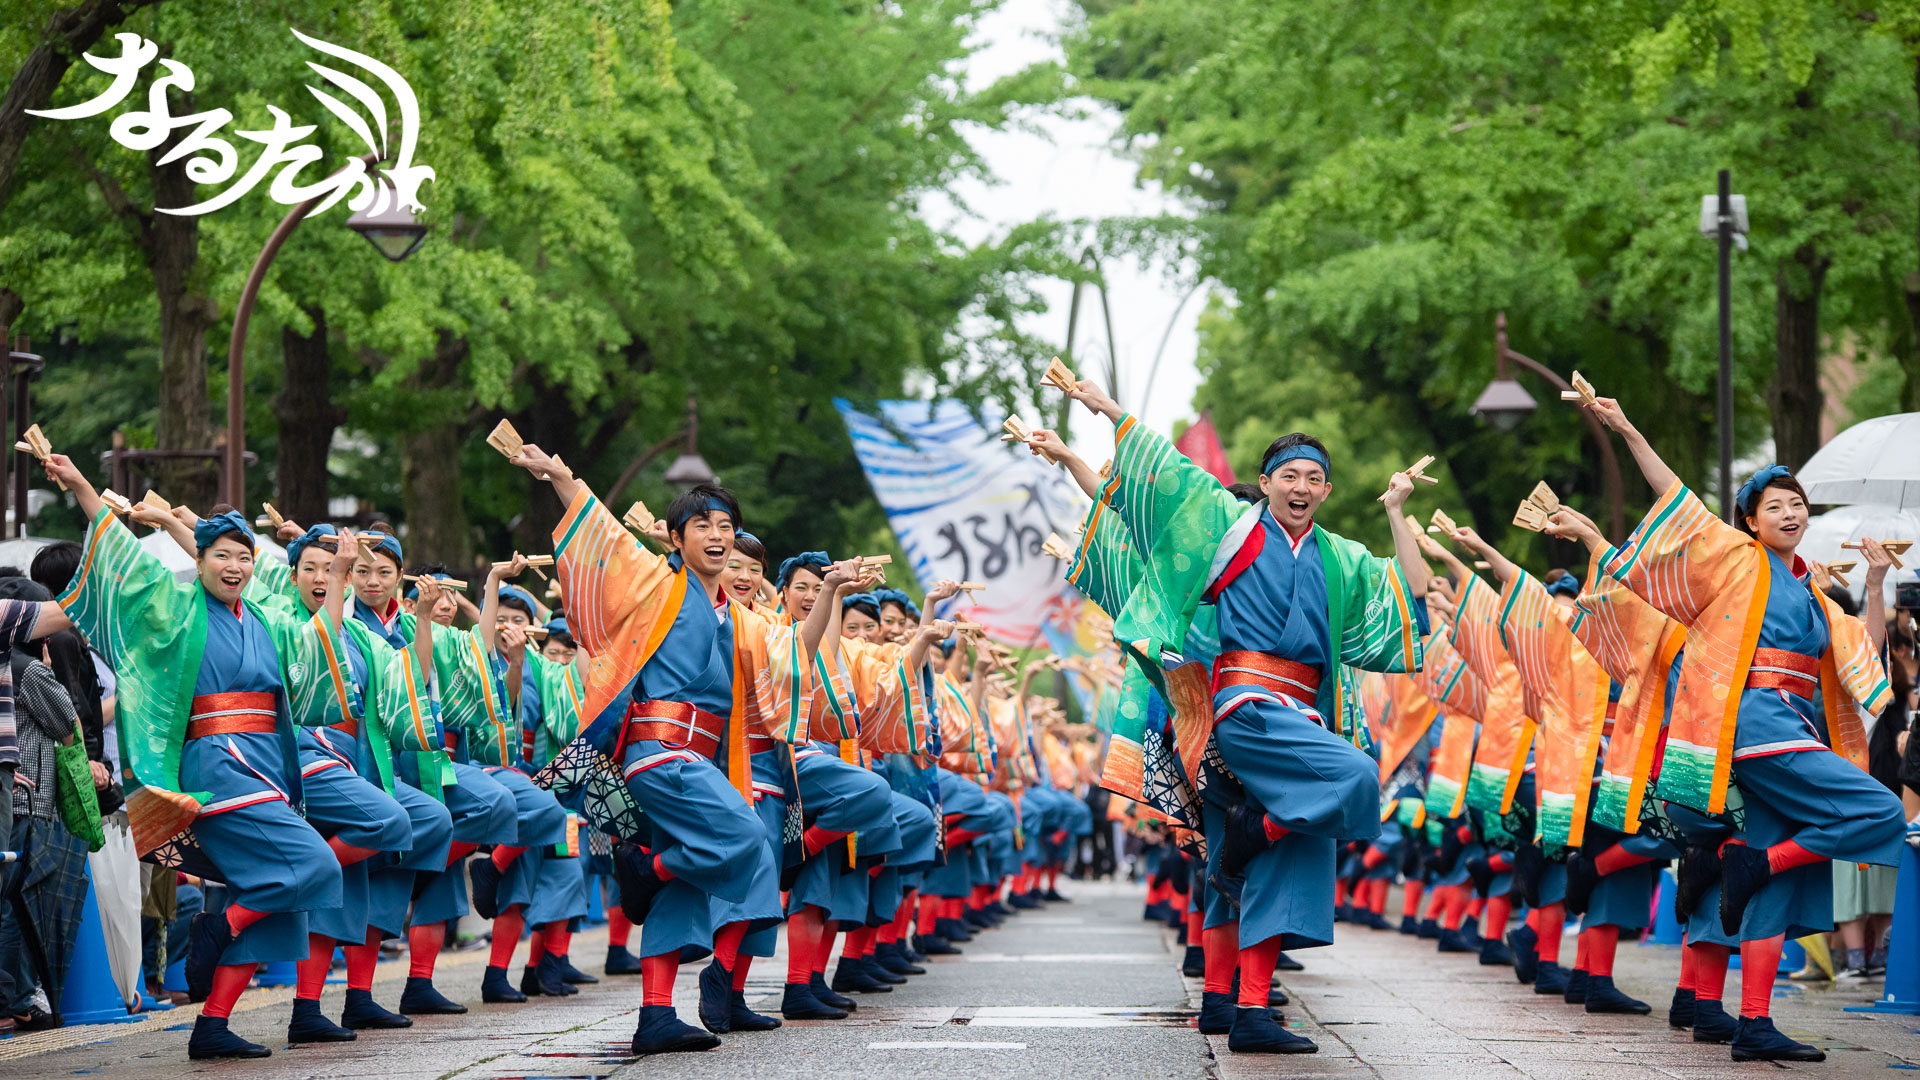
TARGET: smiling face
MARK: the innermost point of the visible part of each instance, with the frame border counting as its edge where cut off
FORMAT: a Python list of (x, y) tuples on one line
[(860, 626), (704, 543), (1295, 491), (1779, 519), (741, 578), (376, 578), (225, 568), (895, 623), (310, 576), (803, 588)]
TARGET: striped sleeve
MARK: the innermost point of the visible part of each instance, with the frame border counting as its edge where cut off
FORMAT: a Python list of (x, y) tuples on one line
[(1655, 563)]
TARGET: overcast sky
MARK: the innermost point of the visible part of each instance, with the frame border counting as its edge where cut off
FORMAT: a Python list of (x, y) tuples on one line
[(1069, 169)]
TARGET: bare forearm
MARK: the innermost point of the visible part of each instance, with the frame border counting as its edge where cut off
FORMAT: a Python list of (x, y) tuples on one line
[(1659, 476), (814, 630), (1083, 474), (1406, 551)]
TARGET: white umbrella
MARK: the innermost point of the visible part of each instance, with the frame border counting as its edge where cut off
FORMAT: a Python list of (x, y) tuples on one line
[(1874, 461), (1848, 524)]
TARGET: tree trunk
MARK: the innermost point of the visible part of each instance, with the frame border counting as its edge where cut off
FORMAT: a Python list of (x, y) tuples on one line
[(308, 417), (68, 33), (1795, 398), (186, 311), (430, 473)]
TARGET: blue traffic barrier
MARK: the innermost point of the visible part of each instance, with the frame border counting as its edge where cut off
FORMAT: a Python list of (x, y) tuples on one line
[(90, 996), (1666, 928), (174, 979), (1901, 993)]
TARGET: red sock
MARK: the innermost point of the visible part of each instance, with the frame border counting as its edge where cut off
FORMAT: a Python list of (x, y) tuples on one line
[(1437, 901), (1475, 906), (346, 853), (228, 981), (1222, 945), (739, 969), (536, 945), (726, 943), (803, 937), (1533, 919), (1687, 965), (929, 911), (1456, 906), (361, 959), (423, 951), (1053, 878), (311, 974), (503, 856), (1553, 919), (1710, 969), (660, 871), (656, 978), (560, 938), (1340, 892), (1410, 899), (1273, 829), (619, 927), (1499, 909), (823, 951), (1759, 965), (816, 839), (1786, 855), (506, 935), (1580, 943), (1380, 887), (1256, 972), (1601, 947), (239, 918), (1373, 858), (1195, 922), (859, 943), (460, 849), (1616, 858)]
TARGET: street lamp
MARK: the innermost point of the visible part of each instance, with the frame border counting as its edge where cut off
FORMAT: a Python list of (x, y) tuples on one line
[(690, 470), (1723, 216), (1504, 403), (394, 232)]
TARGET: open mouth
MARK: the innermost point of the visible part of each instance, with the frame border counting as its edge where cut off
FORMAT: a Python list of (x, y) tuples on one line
[(1297, 506), (320, 594), (716, 552)]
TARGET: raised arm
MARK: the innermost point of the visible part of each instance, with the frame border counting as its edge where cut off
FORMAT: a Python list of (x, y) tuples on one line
[(1872, 609), (61, 469), (1567, 523), (1088, 393), (1046, 443), (1655, 470), (825, 615), (483, 628), (543, 467), (426, 599), (167, 522), (1474, 542), (1406, 548)]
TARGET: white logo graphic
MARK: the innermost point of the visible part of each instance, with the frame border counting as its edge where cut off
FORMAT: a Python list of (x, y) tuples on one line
[(212, 160)]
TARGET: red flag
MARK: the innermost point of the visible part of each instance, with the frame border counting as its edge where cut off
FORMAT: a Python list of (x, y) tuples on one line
[(1201, 443)]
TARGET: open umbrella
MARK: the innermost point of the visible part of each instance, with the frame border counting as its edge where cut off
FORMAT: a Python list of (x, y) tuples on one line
[(1874, 461), (1847, 524)]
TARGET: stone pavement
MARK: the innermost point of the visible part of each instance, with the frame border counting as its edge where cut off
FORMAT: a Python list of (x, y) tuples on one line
[(1082, 990)]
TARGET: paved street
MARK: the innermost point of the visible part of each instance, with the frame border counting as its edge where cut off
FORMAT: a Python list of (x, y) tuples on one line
[(1080, 990)]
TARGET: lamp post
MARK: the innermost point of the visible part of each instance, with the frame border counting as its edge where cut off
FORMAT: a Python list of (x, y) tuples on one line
[(1723, 216), (690, 470), (393, 232), (1504, 403)]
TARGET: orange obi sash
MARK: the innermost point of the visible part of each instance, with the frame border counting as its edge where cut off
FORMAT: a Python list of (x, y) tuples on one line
[(1267, 671), (236, 713), (1779, 669), (678, 723)]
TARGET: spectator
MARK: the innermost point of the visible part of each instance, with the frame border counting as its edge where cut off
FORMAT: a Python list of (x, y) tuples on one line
[(48, 890)]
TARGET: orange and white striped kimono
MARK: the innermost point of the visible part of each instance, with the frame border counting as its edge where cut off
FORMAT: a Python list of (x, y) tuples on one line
[(1506, 731), (1566, 690), (1446, 680)]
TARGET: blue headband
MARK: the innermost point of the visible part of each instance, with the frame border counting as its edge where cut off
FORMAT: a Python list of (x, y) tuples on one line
[(413, 591), (515, 592), (895, 596), (1757, 483), (213, 528), (676, 522), (866, 598), (742, 534), (816, 561), (306, 540), (1564, 585), (388, 543), (1298, 450)]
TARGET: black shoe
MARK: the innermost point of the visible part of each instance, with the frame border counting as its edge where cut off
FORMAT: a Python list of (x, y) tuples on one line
[(716, 998), (1470, 932), (496, 990), (952, 929), (419, 999), (1711, 1024), (910, 948), (1451, 941), (1604, 997), (1343, 913), (310, 1025), (873, 967), (1576, 991), (1480, 872), (1288, 963), (633, 869), (621, 962), (1743, 873), (1549, 978), (1194, 963), (483, 884), (1697, 873), (1409, 925), (978, 919), (1680, 1014), (1495, 953), (1244, 840), (1216, 1013), (893, 956), (1526, 952), (1277, 998), (1581, 879), (742, 1018), (1429, 930), (546, 976), (1052, 896), (934, 945), (801, 1004), (362, 1013), (1255, 1031), (209, 936), (1756, 1039), (571, 975), (852, 977), (211, 1039), (1528, 864), (830, 996), (38, 1019), (661, 1031), (1022, 902)]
